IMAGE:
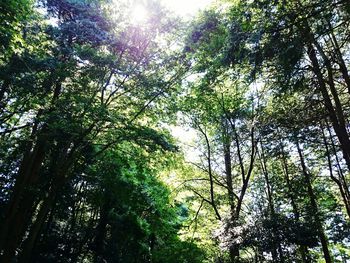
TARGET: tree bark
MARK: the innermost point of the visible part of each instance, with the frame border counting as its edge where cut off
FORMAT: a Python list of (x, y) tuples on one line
[(210, 172), (335, 113), (304, 252), (19, 210), (341, 182), (313, 201), (271, 205)]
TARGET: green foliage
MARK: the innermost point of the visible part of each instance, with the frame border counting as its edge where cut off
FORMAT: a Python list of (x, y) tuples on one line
[(88, 173)]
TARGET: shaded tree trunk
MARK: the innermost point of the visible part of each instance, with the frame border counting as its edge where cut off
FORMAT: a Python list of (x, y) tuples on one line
[(271, 205), (304, 252), (101, 230), (313, 201), (19, 210), (335, 113), (341, 181)]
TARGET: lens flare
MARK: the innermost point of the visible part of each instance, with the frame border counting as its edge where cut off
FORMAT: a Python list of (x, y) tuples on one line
[(139, 14)]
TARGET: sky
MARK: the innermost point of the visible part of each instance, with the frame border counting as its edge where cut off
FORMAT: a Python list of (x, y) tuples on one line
[(183, 8), (186, 7), (186, 135)]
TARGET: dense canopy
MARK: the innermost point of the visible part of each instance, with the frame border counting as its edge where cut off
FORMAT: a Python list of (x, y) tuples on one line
[(131, 134)]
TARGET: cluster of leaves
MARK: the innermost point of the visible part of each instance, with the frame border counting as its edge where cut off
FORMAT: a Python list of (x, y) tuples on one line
[(136, 221), (81, 92), (269, 102)]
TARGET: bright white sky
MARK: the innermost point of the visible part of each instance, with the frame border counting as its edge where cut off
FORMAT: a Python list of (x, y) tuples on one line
[(186, 7), (182, 8), (186, 137)]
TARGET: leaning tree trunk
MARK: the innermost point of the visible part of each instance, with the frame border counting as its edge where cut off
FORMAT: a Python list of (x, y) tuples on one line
[(335, 112), (315, 211), (60, 172), (304, 252), (19, 210), (340, 181), (270, 200)]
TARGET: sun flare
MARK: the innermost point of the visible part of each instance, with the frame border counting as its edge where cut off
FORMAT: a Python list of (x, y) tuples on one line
[(139, 14)]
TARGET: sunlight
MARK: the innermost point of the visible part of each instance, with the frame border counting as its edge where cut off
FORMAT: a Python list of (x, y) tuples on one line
[(186, 7), (139, 14), (183, 8)]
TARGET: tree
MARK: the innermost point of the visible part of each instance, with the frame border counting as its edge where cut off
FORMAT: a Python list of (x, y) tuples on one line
[(91, 83)]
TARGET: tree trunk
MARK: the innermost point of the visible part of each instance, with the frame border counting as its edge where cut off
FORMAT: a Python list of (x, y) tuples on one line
[(336, 114), (210, 173), (35, 230), (234, 249), (101, 231), (341, 182), (22, 202), (304, 252), (60, 170), (313, 201), (270, 200), (342, 65)]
